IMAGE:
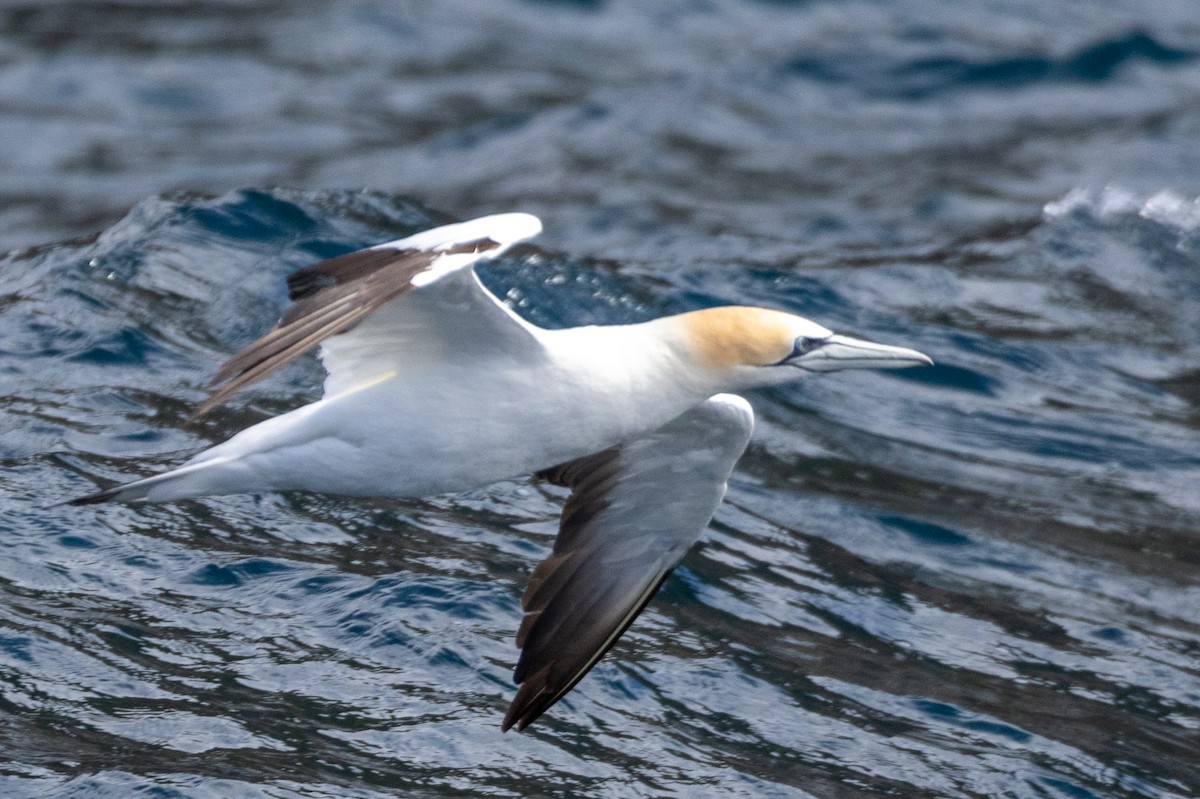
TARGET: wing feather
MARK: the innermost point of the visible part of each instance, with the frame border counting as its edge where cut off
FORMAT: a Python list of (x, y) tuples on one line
[(633, 512), (334, 297)]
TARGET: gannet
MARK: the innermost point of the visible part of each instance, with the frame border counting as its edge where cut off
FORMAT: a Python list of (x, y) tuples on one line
[(436, 386)]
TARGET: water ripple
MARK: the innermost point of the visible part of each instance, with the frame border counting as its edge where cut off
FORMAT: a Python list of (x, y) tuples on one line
[(977, 579)]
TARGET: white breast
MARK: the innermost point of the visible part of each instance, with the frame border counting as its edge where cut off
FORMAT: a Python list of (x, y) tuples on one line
[(454, 426)]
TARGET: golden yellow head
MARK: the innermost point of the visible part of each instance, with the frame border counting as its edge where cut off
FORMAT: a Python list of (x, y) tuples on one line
[(725, 338), (757, 346)]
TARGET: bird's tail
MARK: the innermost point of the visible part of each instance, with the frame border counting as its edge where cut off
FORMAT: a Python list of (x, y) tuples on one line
[(190, 480)]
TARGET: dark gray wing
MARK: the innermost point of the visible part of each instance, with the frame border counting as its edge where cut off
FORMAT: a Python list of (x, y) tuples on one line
[(336, 297), (633, 512)]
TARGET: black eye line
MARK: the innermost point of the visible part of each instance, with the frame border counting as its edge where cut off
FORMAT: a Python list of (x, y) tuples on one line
[(805, 345), (802, 346)]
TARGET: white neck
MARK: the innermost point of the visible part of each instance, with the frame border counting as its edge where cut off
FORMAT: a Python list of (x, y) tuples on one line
[(629, 379)]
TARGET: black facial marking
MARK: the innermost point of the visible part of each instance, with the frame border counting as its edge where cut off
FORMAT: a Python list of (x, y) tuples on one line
[(805, 345), (802, 346)]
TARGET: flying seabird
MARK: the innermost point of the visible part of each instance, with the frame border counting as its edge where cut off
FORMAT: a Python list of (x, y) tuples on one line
[(436, 386)]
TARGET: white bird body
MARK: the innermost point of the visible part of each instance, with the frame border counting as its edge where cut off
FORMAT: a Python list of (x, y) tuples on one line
[(435, 386), (462, 426)]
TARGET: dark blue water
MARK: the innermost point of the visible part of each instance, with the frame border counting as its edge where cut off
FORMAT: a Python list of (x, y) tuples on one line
[(978, 579)]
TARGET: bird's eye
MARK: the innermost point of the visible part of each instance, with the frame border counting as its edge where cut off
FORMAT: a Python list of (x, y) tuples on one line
[(801, 346), (805, 345)]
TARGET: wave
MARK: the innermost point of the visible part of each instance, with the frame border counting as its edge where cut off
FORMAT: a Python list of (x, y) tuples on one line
[(1166, 207)]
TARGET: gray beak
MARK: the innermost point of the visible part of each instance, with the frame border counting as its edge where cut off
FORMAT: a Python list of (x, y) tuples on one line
[(842, 352)]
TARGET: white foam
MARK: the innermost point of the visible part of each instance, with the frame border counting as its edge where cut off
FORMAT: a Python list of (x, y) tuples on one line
[(1165, 207)]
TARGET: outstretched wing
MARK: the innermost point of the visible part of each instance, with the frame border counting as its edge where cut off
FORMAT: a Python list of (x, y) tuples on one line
[(633, 512), (413, 298)]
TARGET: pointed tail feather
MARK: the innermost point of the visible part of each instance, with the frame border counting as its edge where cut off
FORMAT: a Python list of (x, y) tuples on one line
[(108, 495), (183, 483)]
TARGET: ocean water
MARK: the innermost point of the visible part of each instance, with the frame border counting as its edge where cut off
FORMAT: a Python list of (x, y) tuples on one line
[(980, 579)]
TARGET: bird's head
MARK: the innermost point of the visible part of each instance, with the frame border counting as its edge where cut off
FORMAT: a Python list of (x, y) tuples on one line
[(756, 347)]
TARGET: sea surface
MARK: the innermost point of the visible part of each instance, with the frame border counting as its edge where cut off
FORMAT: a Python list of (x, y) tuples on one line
[(979, 579)]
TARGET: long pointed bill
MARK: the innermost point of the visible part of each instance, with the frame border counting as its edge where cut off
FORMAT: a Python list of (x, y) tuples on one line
[(843, 352)]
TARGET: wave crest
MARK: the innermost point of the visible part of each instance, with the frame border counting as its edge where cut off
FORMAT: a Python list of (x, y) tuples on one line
[(1165, 207)]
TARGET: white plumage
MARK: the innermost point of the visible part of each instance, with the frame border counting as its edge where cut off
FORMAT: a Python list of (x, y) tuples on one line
[(435, 386)]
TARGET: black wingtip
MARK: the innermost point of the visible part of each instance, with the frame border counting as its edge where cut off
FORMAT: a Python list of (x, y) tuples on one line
[(510, 718), (520, 713), (532, 700), (511, 722)]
